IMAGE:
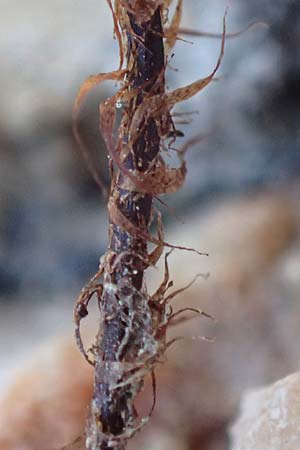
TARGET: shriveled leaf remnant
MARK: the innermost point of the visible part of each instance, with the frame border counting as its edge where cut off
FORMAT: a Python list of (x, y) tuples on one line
[(138, 129)]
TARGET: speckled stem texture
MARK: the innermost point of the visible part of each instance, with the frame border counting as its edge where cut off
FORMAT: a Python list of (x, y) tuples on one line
[(138, 130), (126, 345)]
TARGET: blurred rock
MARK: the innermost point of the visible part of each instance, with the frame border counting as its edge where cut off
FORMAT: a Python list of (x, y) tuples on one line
[(269, 417), (243, 236), (47, 51), (35, 415), (290, 269)]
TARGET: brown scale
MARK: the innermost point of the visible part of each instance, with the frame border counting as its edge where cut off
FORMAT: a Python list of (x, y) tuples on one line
[(132, 334)]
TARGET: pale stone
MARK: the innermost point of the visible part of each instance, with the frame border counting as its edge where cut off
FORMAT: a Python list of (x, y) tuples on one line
[(270, 417)]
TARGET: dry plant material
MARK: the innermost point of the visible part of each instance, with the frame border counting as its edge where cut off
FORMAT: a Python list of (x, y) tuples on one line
[(139, 131)]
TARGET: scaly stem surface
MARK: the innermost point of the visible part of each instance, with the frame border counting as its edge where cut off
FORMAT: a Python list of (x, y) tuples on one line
[(113, 409), (138, 129)]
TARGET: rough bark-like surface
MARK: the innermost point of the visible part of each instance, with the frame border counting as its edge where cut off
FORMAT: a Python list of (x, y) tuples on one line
[(126, 341), (138, 130)]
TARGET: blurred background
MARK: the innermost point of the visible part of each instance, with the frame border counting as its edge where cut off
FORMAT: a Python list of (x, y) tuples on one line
[(53, 224)]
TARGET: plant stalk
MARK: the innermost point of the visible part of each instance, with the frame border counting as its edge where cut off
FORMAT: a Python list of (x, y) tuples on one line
[(113, 414)]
